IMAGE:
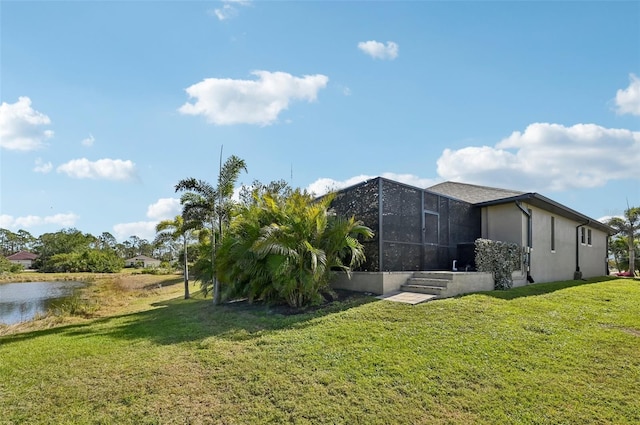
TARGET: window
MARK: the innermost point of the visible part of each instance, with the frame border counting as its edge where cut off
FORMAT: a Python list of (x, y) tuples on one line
[(553, 234), (589, 237), (582, 235)]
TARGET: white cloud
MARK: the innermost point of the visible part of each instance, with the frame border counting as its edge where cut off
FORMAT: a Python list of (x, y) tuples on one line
[(224, 101), (164, 209), (105, 169), (88, 141), (21, 126), (229, 9), (42, 167), (142, 229), (325, 185), (378, 50), (548, 157), (628, 100), (29, 221)]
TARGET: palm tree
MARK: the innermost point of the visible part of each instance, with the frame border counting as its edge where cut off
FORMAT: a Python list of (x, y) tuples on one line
[(628, 226), (205, 206), (287, 248), (174, 230)]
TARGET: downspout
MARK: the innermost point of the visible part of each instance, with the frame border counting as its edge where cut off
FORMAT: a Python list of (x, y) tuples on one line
[(577, 275), (529, 240)]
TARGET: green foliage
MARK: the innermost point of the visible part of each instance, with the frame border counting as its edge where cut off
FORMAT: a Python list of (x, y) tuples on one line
[(91, 260), (174, 230), (7, 266), (499, 258), (284, 248), (627, 229), (207, 207), (11, 242)]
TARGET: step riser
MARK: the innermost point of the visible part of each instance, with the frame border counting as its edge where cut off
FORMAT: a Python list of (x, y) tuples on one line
[(422, 289), (432, 275), (427, 282)]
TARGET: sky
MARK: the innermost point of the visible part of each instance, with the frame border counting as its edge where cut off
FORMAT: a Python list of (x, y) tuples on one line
[(106, 105)]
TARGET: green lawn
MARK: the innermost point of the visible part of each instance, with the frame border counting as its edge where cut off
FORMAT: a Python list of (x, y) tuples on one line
[(563, 353)]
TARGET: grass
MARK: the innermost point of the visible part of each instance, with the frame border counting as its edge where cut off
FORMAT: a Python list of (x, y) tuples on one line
[(567, 352)]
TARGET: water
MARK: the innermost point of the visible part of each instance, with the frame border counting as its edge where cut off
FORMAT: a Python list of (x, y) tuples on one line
[(20, 302)]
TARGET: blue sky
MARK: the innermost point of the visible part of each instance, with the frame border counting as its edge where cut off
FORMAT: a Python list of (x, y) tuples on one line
[(106, 105)]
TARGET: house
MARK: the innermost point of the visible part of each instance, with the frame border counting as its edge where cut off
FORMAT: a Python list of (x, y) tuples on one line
[(142, 261), (434, 229), (24, 258)]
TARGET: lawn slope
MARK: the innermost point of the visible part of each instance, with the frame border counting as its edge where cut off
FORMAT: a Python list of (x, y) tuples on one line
[(567, 352)]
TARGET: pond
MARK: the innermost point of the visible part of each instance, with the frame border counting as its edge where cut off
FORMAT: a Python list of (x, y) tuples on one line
[(20, 302)]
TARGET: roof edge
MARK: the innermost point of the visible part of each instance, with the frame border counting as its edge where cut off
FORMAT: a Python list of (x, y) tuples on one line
[(545, 203)]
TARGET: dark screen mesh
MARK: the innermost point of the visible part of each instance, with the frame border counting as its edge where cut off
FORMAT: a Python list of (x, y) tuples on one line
[(420, 229)]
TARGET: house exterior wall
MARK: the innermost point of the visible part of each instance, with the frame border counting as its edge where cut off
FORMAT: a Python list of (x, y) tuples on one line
[(504, 223), (593, 256), (145, 262), (549, 262), (27, 264)]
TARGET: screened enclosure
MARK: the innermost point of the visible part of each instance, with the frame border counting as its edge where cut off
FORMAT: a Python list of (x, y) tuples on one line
[(414, 229)]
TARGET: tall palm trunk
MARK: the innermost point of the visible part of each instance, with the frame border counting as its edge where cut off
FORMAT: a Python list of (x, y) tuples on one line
[(632, 253), (186, 270), (214, 280)]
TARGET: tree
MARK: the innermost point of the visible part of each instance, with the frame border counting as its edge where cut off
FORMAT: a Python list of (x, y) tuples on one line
[(286, 248), (207, 206), (250, 194), (177, 229), (64, 241), (107, 241), (628, 227)]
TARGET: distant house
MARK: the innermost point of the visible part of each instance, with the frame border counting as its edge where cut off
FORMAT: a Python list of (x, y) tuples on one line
[(24, 258), (142, 261), (434, 230)]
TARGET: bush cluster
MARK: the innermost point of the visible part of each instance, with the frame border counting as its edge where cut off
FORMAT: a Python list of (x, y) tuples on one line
[(286, 249), (499, 258), (7, 266), (94, 261)]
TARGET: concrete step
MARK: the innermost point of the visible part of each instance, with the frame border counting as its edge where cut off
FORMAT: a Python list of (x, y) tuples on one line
[(434, 275), (428, 281), (423, 289)]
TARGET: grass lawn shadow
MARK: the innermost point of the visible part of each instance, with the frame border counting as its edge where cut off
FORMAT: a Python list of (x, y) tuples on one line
[(544, 288), (179, 320)]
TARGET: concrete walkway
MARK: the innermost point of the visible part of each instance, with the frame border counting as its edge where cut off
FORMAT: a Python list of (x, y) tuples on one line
[(406, 297)]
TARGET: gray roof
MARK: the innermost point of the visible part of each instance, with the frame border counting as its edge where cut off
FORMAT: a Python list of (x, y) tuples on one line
[(484, 196), (472, 193)]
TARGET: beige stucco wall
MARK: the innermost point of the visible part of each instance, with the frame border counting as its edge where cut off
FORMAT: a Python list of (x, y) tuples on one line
[(375, 282), (547, 265), (503, 223), (24, 263)]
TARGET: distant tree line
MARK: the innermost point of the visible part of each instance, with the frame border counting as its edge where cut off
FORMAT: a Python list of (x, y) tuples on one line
[(70, 250)]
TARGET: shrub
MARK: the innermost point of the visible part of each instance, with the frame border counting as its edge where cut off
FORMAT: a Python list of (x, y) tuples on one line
[(285, 248), (499, 258), (7, 266), (95, 261)]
